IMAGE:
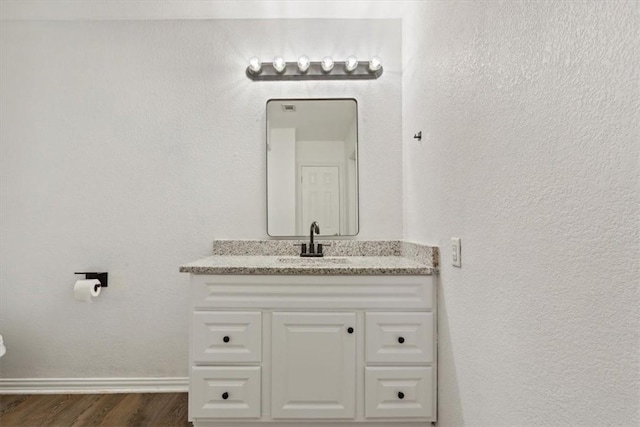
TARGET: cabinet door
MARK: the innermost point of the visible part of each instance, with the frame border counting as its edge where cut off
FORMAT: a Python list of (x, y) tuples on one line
[(313, 365)]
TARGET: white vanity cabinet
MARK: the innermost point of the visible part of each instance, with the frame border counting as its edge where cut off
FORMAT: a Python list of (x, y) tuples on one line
[(296, 350)]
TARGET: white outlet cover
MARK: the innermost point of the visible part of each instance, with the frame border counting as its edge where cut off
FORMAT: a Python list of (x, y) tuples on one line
[(456, 254)]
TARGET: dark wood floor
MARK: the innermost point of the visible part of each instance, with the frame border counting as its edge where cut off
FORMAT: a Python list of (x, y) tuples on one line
[(107, 410)]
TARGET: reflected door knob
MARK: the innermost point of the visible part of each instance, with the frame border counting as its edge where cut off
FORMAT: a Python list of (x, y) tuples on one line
[(225, 395)]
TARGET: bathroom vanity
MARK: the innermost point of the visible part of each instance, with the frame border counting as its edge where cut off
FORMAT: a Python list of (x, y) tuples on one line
[(281, 340)]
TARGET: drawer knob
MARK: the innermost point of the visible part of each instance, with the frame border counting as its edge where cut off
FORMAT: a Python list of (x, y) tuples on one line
[(400, 395), (226, 339), (401, 340), (225, 395), (350, 329)]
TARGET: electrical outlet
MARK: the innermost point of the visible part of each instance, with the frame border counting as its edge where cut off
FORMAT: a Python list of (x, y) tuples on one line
[(456, 255)]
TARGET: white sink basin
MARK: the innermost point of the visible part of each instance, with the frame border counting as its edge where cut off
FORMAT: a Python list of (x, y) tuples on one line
[(313, 261)]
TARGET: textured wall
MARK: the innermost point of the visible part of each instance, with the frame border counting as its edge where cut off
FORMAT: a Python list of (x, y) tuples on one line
[(130, 146), (530, 112)]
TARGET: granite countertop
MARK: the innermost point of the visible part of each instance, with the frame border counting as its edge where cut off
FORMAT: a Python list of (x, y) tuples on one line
[(341, 258)]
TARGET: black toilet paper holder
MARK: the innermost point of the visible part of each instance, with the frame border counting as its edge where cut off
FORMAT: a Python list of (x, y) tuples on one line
[(102, 277)]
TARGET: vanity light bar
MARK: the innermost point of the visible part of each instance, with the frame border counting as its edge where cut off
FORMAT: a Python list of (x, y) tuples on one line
[(303, 69)]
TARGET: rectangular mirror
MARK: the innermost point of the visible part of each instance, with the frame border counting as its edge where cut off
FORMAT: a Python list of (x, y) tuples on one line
[(312, 166)]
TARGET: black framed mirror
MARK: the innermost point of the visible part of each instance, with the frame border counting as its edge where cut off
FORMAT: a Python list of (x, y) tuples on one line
[(312, 166)]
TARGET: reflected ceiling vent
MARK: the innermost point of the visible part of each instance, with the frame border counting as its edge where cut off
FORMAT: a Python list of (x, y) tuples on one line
[(289, 108)]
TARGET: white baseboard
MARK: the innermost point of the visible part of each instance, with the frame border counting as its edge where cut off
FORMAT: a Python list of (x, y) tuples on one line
[(92, 385)]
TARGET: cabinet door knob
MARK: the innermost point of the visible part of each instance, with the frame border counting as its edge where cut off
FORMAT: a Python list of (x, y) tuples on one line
[(400, 395), (226, 339), (225, 395), (350, 329), (401, 340)]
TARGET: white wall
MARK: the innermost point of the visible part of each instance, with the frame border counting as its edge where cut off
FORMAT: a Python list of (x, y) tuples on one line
[(320, 151), (529, 116), (281, 182), (351, 177), (198, 9), (128, 146)]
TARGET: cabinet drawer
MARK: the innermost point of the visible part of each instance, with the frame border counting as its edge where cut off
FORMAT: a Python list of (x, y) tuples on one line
[(399, 337), (220, 336), (399, 392), (224, 392)]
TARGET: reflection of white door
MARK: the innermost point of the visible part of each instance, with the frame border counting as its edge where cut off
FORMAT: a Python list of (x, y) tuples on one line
[(320, 198)]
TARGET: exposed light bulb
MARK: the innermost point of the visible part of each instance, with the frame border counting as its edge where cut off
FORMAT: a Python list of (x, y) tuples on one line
[(350, 64), (279, 64), (375, 64), (255, 66), (303, 63), (327, 64)]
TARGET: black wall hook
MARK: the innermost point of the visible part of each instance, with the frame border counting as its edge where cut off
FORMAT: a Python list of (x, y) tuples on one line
[(102, 277), (418, 136)]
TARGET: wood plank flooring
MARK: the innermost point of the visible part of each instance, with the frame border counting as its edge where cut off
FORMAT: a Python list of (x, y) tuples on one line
[(105, 410)]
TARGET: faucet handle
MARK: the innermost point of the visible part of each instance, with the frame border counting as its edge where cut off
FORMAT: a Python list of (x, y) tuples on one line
[(303, 247), (321, 245)]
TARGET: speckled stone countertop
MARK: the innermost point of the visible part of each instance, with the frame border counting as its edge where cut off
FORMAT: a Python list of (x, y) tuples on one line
[(342, 257)]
